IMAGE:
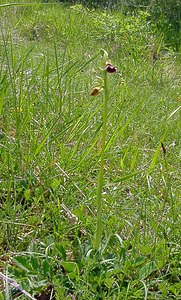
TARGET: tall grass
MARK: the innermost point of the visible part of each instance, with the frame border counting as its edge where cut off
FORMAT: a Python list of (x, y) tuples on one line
[(51, 131)]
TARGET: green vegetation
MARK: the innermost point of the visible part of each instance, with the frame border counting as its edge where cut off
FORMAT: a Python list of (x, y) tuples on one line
[(89, 185)]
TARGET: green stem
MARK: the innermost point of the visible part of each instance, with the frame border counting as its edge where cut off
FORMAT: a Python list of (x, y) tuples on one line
[(101, 172)]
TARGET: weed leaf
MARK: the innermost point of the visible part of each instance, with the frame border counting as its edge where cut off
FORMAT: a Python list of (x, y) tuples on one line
[(147, 270)]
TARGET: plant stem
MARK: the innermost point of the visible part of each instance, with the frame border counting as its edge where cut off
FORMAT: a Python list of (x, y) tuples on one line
[(101, 172)]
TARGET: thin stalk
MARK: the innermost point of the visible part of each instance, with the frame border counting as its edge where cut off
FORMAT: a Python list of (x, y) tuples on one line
[(101, 172)]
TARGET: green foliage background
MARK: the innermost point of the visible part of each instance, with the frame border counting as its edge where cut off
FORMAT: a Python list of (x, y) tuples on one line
[(165, 14)]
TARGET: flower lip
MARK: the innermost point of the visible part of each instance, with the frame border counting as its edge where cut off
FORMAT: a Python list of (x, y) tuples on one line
[(96, 91), (110, 68)]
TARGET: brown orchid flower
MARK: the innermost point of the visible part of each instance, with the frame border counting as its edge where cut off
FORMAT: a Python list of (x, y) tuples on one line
[(110, 68)]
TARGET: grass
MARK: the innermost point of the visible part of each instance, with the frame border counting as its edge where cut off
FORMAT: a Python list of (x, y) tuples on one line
[(50, 138)]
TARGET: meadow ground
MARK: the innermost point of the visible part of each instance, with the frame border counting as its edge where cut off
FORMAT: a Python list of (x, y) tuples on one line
[(50, 150)]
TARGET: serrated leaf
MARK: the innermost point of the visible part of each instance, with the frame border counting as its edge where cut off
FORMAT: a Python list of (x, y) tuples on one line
[(146, 270), (69, 266)]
